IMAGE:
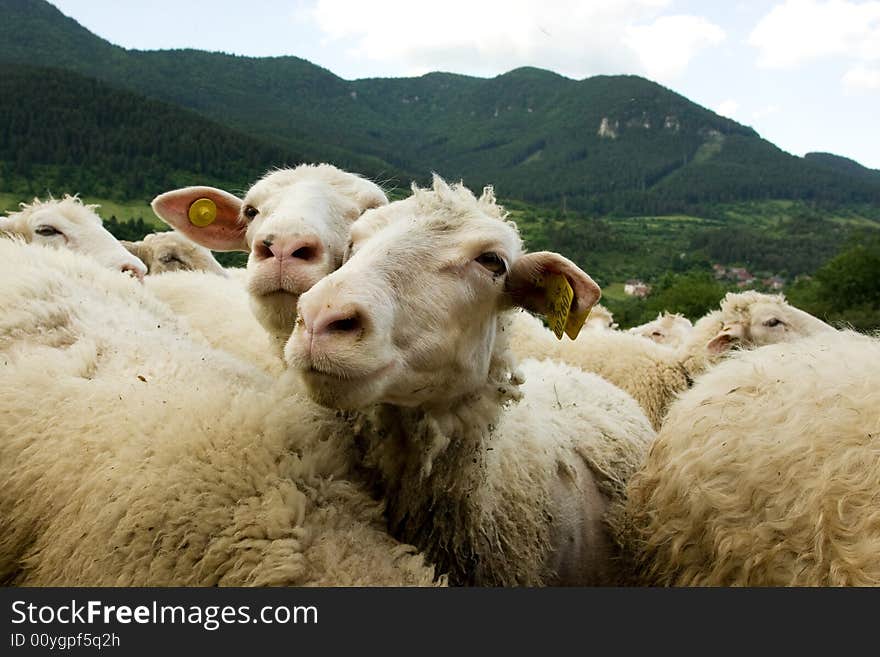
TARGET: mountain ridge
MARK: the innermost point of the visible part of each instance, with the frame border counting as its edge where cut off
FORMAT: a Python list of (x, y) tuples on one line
[(604, 144)]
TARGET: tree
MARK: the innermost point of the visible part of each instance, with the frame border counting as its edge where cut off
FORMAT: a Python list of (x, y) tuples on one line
[(692, 294), (846, 289)]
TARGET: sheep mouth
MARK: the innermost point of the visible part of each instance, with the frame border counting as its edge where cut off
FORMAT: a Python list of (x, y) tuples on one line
[(344, 389), (331, 372), (285, 288), (267, 280)]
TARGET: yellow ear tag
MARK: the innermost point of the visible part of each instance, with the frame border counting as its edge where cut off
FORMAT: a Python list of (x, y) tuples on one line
[(559, 298), (202, 212), (575, 323)]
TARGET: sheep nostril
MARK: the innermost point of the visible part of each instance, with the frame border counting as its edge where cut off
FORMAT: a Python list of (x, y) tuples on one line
[(263, 250), (304, 253), (346, 325)]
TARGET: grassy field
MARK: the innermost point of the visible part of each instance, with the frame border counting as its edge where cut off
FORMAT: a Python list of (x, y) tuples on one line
[(122, 210), (777, 212), (772, 237), (614, 291)]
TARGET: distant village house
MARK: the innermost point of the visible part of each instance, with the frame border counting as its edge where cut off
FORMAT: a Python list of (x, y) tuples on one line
[(744, 278), (774, 282), (636, 288)]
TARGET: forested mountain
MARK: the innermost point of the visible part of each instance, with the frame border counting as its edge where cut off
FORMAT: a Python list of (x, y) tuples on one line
[(607, 144), (61, 131), (843, 165)]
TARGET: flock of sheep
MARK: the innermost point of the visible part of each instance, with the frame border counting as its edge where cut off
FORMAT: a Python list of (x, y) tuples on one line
[(373, 401)]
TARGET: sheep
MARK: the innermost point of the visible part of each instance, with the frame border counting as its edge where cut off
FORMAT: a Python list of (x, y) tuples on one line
[(497, 481), (216, 311), (600, 319), (767, 472), (133, 456), (670, 329), (171, 251), (654, 373), (294, 223), (238, 274), (69, 223), (754, 319)]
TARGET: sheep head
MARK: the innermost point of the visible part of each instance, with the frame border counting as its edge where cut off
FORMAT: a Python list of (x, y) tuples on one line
[(69, 223), (669, 329), (171, 251), (411, 317), (752, 319), (293, 222)]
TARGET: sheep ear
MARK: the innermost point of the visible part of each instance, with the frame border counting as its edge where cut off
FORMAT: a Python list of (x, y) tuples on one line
[(206, 215), (134, 248), (725, 339), (551, 285), (364, 193), (368, 195)]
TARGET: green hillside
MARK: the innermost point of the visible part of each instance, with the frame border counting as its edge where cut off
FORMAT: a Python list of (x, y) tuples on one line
[(607, 144), (842, 165), (61, 131), (626, 177)]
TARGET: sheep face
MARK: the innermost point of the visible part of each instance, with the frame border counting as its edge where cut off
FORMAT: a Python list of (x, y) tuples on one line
[(752, 319), (294, 223), (669, 329), (68, 223), (296, 237), (171, 251), (411, 316)]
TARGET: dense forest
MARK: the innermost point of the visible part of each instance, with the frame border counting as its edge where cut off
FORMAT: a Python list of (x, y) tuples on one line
[(60, 131), (603, 145)]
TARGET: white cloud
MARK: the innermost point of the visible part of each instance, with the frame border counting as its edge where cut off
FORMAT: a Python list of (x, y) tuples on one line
[(727, 108), (799, 31), (577, 38), (862, 78), (666, 46)]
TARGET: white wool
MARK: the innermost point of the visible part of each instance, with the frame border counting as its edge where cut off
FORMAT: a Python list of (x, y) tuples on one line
[(600, 319), (132, 455), (655, 373), (652, 373), (216, 310), (767, 472)]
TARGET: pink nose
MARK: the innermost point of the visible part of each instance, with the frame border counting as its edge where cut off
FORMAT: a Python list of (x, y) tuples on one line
[(347, 321), (132, 270), (304, 249)]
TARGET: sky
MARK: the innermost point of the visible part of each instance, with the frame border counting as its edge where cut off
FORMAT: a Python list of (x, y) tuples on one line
[(804, 73)]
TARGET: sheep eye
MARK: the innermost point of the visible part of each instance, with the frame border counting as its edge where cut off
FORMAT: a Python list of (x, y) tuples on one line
[(773, 322), (491, 261), (168, 258), (250, 211), (47, 231)]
